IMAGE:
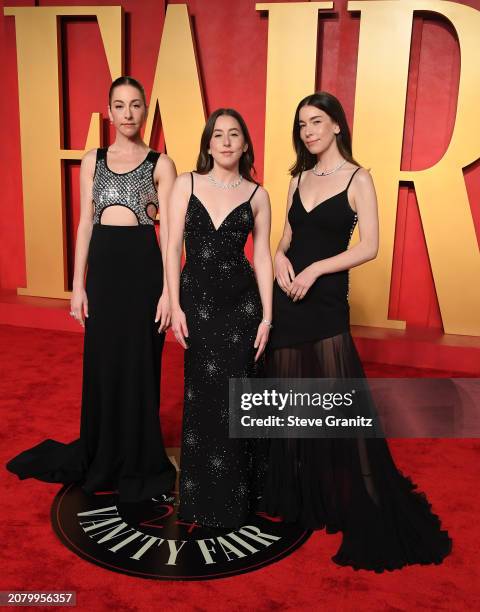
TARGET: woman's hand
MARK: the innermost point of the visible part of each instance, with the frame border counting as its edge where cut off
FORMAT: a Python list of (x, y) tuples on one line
[(79, 305), (261, 339), (283, 271), (179, 326), (302, 283), (163, 314)]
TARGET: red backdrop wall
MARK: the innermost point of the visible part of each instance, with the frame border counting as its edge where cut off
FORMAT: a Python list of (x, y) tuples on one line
[(231, 43)]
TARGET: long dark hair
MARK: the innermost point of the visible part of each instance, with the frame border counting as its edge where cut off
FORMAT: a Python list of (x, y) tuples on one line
[(126, 80), (329, 104), (205, 160)]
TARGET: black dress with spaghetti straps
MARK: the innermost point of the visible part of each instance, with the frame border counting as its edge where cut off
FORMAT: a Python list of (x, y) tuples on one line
[(219, 475), (324, 312), (340, 484)]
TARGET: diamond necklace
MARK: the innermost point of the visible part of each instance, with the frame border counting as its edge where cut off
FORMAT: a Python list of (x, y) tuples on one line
[(232, 185), (315, 171)]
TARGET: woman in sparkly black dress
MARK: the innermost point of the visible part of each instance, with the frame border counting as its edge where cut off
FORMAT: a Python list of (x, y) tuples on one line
[(220, 315), (125, 310), (347, 485)]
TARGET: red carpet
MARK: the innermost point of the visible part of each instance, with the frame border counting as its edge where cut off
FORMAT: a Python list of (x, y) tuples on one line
[(40, 397)]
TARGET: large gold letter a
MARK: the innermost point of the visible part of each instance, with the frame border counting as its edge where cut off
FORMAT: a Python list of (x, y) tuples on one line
[(40, 135)]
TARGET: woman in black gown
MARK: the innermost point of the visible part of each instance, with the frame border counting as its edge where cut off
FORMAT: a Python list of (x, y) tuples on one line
[(125, 310), (220, 315), (348, 485)]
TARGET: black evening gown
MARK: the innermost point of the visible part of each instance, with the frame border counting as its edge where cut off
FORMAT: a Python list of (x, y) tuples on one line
[(347, 485), (120, 447), (219, 475)]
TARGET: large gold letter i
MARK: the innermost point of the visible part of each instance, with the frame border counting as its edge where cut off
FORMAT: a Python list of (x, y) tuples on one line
[(292, 54)]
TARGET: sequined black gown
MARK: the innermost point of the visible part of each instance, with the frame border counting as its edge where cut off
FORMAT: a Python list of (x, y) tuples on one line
[(220, 298), (347, 485), (120, 446)]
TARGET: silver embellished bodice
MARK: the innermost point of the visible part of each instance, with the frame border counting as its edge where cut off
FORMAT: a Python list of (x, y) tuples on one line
[(135, 189)]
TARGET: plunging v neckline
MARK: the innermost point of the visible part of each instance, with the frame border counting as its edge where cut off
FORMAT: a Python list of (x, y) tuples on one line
[(335, 195), (210, 217)]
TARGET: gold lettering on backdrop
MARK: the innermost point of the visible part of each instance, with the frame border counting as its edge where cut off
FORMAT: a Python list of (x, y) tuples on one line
[(38, 58), (176, 90), (291, 60), (382, 72), (382, 68)]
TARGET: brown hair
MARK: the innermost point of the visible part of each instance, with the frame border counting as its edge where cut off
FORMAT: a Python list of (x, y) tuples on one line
[(329, 104), (205, 160), (126, 80)]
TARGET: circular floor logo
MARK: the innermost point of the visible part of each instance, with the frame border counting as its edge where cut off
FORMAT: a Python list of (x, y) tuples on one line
[(149, 541)]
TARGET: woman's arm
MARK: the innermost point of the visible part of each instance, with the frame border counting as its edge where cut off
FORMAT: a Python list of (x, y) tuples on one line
[(262, 264), (283, 268), (164, 177), (79, 300), (177, 209), (365, 201)]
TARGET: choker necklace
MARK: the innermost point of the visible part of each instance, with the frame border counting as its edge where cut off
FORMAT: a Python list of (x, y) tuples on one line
[(232, 185), (317, 173)]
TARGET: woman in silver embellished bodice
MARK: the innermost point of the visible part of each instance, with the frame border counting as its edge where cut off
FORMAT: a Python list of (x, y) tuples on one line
[(134, 190), (221, 311), (125, 311)]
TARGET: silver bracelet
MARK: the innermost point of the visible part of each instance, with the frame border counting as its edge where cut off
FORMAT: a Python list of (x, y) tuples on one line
[(267, 322)]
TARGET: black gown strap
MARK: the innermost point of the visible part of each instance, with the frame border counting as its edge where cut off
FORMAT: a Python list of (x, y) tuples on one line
[(191, 176), (299, 177), (254, 192), (153, 156), (351, 178), (101, 153)]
